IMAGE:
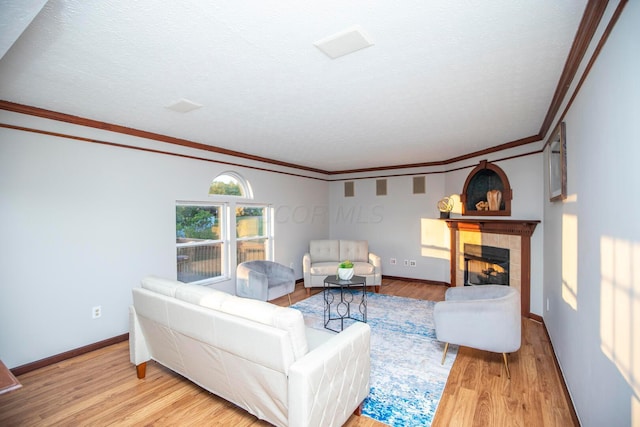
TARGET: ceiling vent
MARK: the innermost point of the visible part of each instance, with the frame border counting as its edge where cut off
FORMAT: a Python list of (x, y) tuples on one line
[(344, 42), (184, 106)]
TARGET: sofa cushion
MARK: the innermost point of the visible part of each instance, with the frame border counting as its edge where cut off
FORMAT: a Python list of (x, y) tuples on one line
[(361, 268), (202, 296), (354, 250), (324, 250), (324, 268), (162, 286), (331, 268), (285, 318)]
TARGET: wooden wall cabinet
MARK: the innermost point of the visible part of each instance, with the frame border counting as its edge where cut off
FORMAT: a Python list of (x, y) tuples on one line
[(482, 179)]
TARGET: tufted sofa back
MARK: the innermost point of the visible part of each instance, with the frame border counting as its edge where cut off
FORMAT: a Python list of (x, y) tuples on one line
[(354, 250), (339, 250)]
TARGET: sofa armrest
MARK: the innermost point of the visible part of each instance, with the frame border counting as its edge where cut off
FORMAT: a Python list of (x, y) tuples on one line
[(376, 262), (138, 350), (306, 269), (329, 383)]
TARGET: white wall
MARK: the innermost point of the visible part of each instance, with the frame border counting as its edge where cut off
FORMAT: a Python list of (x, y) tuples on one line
[(592, 239), (82, 223), (393, 224), (300, 212), (405, 226)]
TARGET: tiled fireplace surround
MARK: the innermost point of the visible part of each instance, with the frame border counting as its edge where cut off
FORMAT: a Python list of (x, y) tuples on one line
[(514, 235)]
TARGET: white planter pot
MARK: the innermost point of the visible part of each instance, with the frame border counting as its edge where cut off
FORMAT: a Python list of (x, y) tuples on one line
[(345, 273)]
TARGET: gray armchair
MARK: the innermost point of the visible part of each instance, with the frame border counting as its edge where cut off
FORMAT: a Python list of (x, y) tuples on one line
[(264, 280), (485, 317)]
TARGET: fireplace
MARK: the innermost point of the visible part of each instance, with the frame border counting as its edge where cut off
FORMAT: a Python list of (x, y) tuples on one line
[(513, 235), (485, 265)]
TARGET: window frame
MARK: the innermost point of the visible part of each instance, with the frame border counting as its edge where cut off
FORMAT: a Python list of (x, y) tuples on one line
[(242, 182), (223, 240), (227, 207), (267, 227)]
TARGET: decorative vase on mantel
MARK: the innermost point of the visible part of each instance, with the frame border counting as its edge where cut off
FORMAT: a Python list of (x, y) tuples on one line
[(494, 198), (345, 270)]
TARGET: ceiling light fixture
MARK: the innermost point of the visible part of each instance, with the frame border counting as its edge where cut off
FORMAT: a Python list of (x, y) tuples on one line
[(345, 42), (184, 106)]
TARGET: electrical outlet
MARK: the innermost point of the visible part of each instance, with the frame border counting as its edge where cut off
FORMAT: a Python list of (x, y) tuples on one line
[(393, 261), (412, 263), (96, 311), (406, 263)]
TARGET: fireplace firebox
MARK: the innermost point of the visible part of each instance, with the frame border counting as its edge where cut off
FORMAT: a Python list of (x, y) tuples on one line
[(485, 265)]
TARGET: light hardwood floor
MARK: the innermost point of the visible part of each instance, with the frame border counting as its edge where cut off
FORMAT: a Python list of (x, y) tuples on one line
[(101, 388)]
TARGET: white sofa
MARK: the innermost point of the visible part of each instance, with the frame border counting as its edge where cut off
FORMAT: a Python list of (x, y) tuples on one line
[(254, 354), (325, 256)]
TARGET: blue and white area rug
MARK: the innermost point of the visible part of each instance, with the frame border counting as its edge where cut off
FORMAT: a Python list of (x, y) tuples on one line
[(407, 378)]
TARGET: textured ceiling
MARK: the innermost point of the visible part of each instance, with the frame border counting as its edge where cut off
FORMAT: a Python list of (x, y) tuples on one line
[(443, 78)]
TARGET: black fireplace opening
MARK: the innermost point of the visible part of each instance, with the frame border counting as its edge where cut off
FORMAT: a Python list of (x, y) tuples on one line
[(485, 265)]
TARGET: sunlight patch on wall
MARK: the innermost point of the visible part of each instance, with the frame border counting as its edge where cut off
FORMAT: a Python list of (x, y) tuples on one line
[(620, 306), (570, 260), (434, 238)]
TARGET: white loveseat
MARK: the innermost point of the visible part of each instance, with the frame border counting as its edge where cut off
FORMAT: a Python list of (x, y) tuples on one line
[(254, 354), (325, 256)]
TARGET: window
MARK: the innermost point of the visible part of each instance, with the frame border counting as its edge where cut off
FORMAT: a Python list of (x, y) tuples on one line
[(200, 240), (252, 233), (205, 250), (230, 184)]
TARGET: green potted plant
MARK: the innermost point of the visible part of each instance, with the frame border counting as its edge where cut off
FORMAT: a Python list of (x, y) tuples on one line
[(345, 270)]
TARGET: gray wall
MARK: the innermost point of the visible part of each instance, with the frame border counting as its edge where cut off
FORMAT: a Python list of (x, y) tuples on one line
[(592, 239)]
